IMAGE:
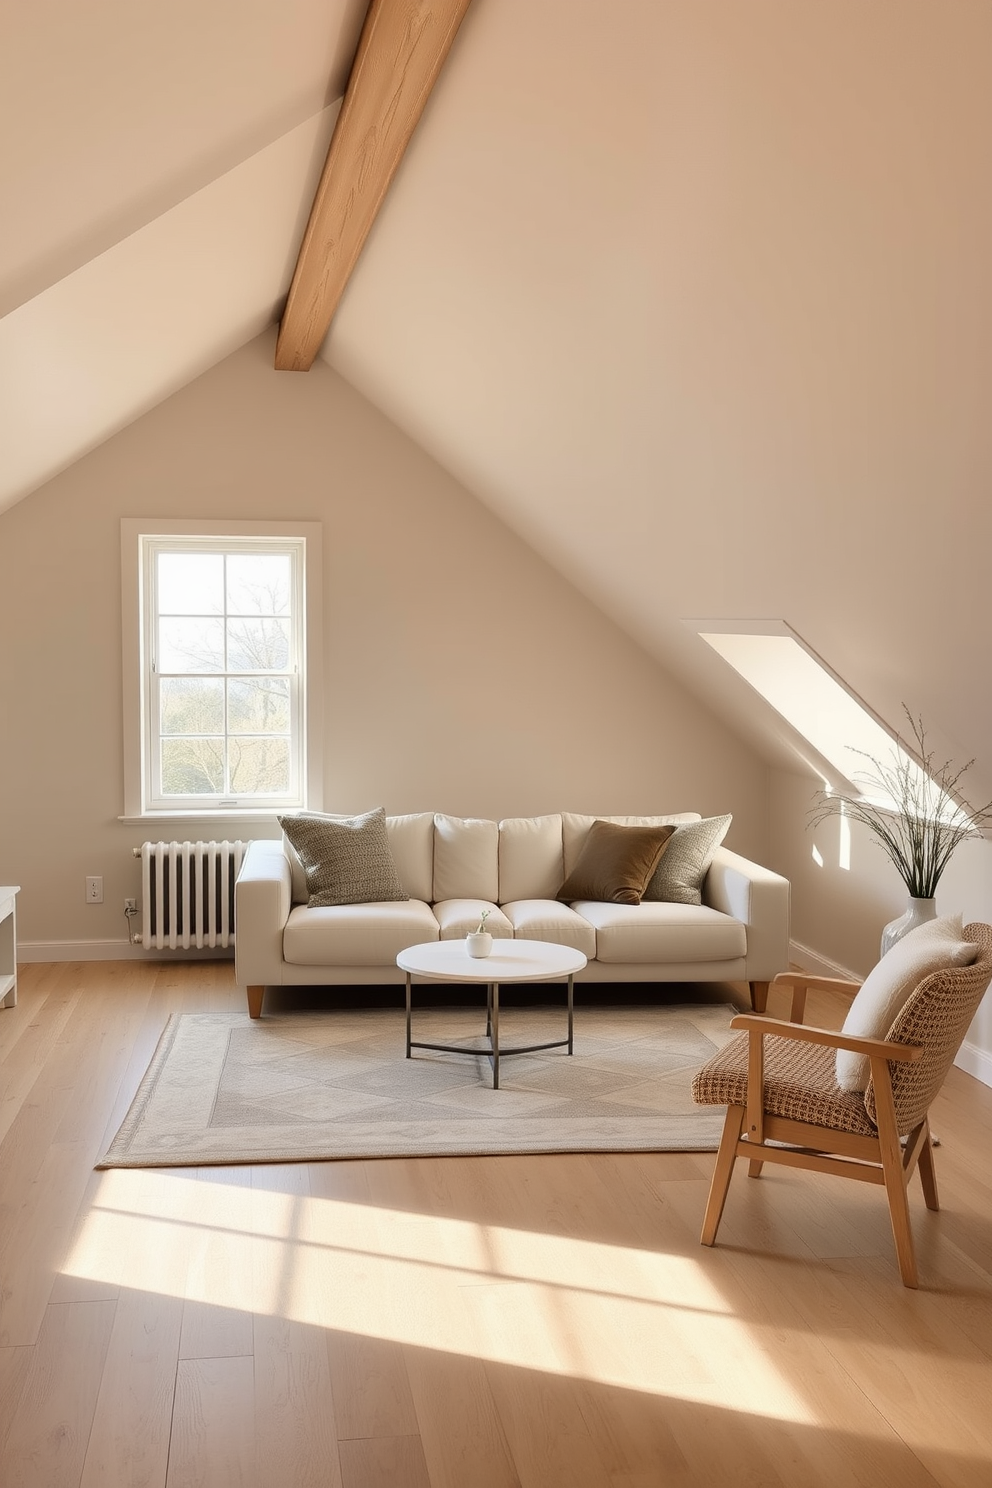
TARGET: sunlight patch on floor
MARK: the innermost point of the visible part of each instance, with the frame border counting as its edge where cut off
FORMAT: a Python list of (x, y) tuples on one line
[(611, 1314)]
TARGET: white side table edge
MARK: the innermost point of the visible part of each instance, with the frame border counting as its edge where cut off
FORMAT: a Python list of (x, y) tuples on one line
[(8, 944)]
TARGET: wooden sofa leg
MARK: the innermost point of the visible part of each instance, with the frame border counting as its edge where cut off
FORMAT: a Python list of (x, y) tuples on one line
[(255, 995), (759, 996)]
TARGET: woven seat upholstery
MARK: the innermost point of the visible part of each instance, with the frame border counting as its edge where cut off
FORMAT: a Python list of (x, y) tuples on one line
[(798, 1115), (800, 1083)]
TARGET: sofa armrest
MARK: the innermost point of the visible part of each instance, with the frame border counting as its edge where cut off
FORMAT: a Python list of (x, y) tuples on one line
[(759, 898), (262, 902)]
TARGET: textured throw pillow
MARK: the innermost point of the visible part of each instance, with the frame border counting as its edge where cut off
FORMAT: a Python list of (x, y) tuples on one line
[(678, 878), (616, 863), (346, 859), (884, 993)]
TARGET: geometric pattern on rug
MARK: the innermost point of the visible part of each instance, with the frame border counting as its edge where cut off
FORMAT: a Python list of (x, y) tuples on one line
[(308, 1087)]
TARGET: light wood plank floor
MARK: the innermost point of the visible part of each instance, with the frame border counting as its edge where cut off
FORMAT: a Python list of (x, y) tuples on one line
[(462, 1323)]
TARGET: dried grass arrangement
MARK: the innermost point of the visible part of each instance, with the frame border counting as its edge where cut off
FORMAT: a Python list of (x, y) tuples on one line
[(913, 809)]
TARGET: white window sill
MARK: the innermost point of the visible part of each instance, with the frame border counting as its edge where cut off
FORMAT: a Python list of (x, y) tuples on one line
[(206, 818)]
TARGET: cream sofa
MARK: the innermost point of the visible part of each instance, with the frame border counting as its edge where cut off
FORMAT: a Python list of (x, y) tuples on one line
[(452, 867)]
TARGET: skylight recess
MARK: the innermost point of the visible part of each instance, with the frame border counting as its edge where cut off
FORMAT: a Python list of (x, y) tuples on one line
[(776, 663)]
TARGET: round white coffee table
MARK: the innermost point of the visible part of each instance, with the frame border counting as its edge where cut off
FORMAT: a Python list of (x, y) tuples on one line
[(511, 961)]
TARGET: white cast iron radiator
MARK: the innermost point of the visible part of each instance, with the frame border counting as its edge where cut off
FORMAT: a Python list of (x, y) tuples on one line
[(187, 893)]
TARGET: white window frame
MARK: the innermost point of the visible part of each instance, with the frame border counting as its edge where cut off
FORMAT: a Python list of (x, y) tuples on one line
[(141, 539)]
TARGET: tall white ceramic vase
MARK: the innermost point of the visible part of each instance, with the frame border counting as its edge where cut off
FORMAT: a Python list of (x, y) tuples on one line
[(918, 911)]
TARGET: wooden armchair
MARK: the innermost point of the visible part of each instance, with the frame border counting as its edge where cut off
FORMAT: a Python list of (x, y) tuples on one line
[(778, 1081)]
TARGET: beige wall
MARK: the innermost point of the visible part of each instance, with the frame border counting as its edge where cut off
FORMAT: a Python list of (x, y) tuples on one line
[(837, 911), (461, 672)]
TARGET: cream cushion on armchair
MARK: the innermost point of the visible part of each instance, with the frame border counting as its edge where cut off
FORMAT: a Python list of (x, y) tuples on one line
[(883, 994)]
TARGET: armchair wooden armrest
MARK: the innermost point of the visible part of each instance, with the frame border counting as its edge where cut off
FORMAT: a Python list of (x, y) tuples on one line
[(802, 981), (756, 1023)]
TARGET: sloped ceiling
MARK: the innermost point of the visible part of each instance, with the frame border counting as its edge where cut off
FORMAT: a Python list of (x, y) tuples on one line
[(696, 296), (699, 298), (113, 112), (157, 163)]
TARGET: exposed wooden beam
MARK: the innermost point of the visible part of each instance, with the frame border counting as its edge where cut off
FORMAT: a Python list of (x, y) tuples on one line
[(402, 49)]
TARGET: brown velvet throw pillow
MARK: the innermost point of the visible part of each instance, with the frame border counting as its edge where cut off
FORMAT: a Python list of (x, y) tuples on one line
[(616, 863)]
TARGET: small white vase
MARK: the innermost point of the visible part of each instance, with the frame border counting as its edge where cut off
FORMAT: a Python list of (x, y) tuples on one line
[(479, 944), (918, 911)]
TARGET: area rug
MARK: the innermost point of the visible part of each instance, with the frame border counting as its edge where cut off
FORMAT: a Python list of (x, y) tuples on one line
[(306, 1087)]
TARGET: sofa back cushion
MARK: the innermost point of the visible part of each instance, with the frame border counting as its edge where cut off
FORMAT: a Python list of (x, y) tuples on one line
[(466, 858), (411, 839), (575, 829), (530, 858)]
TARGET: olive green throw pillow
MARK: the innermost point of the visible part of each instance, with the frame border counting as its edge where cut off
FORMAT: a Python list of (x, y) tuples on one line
[(346, 860), (678, 878), (615, 864)]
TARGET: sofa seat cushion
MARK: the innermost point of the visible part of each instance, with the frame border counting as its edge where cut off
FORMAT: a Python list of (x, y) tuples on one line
[(356, 934), (457, 917), (644, 933), (546, 919)]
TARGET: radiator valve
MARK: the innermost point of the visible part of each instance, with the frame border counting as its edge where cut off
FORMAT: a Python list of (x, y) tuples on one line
[(130, 913)]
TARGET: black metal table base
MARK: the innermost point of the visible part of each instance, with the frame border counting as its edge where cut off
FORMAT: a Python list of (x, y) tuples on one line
[(493, 1050)]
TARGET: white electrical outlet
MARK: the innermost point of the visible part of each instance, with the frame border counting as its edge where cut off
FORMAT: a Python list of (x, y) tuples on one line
[(131, 907), (94, 889)]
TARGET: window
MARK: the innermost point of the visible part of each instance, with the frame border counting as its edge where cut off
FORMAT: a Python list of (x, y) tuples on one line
[(225, 639)]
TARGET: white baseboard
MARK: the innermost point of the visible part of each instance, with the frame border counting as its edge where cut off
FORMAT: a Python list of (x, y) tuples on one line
[(812, 961), (109, 950), (975, 1061)]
